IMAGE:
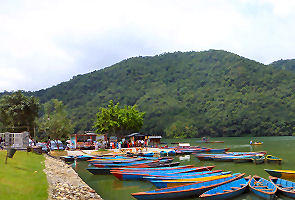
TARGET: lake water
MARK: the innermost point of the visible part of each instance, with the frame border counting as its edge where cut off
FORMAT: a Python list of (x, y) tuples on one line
[(110, 188)]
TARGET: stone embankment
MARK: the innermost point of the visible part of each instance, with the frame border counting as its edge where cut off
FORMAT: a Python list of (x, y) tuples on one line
[(64, 183)]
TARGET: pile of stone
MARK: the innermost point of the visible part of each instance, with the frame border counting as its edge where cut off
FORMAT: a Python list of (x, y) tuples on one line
[(64, 182)]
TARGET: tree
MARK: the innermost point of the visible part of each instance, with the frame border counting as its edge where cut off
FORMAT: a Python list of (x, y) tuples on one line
[(18, 112), (118, 121), (55, 122)]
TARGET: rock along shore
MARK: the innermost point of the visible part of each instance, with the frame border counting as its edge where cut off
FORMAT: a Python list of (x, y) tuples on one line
[(64, 183)]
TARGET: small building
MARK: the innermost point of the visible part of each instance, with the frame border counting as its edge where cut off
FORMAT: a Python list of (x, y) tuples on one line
[(135, 136), (83, 141), (16, 140), (153, 140)]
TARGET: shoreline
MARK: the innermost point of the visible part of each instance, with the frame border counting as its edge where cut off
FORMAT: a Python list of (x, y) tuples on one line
[(64, 183)]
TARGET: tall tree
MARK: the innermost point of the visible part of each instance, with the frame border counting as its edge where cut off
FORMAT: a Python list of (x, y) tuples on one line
[(55, 122), (18, 112), (118, 121)]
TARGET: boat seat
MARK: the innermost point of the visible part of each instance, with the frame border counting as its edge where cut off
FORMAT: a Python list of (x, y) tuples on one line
[(227, 190), (266, 189), (288, 188)]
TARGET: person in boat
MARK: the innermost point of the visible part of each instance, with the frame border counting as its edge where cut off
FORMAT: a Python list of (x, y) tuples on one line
[(251, 142)]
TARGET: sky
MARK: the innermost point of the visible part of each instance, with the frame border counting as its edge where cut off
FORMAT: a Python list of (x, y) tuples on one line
[(44, 43)]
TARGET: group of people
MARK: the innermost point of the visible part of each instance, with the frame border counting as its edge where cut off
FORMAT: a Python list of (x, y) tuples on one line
[(125, 144)]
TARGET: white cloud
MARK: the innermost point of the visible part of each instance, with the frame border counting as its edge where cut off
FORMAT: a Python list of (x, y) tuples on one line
[(46, 42)]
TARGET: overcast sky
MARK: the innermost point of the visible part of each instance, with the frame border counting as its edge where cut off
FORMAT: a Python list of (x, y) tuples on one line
[(45, 42)]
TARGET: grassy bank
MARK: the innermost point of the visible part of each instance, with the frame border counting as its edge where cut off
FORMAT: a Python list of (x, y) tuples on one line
[(23, 177)]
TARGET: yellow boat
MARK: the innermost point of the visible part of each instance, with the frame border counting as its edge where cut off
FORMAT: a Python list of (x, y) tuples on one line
[(284, 174), (177, 182), (273, 159), (256, 143)]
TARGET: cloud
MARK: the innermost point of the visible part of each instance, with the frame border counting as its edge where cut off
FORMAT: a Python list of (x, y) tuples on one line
[(46, 42)]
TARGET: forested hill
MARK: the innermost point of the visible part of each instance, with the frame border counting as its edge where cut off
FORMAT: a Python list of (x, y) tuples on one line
[(190, 94), (285, 64)]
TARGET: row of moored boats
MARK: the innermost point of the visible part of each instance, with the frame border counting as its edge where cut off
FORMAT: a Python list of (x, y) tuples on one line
[(177, 182)]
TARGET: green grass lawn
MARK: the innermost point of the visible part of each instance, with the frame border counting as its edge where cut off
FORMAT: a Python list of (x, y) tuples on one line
[(23, 177)]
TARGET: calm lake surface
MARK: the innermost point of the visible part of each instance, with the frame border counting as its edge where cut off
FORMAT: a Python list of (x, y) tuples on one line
[(110, 188)]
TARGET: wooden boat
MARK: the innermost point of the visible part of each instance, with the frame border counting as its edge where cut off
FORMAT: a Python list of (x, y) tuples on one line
[(258, 159), (218, 150), (228, 190), (256, 143), (98, 170), (262, 187), (185, 176), (183, 191), (223, 158), (171, 153), (85, 157), (177, 182), (247, 153), (138, 175), (171, 176), (273, 159), (122, 164), (150, 154), (285, 187), (285, 174), (160, 168), (68, 158), (97, 161)]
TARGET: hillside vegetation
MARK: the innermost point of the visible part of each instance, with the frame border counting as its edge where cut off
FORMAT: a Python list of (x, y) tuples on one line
[(189, 94)]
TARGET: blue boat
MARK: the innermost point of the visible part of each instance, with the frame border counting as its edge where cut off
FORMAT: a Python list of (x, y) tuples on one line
[(150, 154), (285, 187), (137, 175), (160, 168), (122, 164), (177, 182), (99, 170), (68, 158), (171, 153), (227, 191), (169, 175), (183, 191), (185, 176), (84, 157), (262, 187), (218, 150)]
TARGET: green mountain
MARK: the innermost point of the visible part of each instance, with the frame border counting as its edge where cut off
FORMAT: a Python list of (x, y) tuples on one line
[(189, 94), (285, 64)]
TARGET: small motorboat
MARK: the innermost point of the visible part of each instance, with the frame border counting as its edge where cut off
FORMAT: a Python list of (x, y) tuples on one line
[(262, 187)]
